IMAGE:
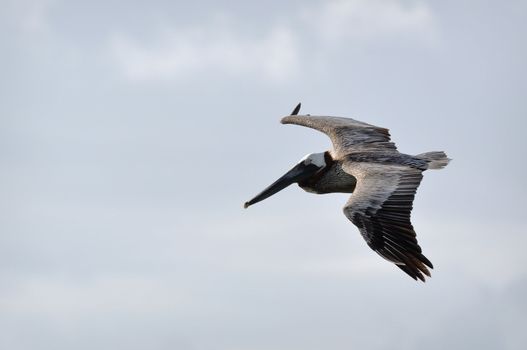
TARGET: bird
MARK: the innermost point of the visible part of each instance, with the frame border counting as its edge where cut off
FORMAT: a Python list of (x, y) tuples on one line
[(382, 182)]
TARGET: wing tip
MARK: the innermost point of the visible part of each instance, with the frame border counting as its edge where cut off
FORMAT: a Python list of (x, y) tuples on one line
[(290, 119), (413, 263), (415, 272), (296, 109)]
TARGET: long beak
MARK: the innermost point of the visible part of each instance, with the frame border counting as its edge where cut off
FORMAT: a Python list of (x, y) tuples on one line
[(298, 173)]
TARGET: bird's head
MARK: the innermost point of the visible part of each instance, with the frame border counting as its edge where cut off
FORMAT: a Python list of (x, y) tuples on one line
[(306, 169)]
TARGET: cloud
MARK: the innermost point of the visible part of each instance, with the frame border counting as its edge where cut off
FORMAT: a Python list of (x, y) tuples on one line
[(58, 297), (278, 54), (362, 20), (180, 53), (28, 17)]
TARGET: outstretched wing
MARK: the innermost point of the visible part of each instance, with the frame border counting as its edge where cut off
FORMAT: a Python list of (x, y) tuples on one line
[(346, 134), (380, 207)]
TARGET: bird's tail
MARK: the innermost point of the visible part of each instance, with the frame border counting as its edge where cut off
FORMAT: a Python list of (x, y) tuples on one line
[(436, 160)]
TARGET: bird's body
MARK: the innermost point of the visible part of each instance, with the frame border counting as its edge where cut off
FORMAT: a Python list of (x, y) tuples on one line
[(382, 181), (331, 179)]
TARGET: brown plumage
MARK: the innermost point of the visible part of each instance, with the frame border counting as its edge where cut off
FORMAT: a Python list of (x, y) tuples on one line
[(383, 183)]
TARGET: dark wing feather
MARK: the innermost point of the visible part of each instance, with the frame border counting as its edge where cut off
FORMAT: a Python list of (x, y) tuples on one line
[(346, 134), (381, 206)]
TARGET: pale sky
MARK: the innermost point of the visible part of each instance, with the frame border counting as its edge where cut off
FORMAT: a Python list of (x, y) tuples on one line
[(132, 132)]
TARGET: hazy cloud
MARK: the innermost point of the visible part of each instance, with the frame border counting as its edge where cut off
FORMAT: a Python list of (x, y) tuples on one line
[(27, 17), (180, 53), (363, 20)]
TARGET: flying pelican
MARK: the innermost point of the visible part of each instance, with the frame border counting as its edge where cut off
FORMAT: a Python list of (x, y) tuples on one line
[(383, 181)]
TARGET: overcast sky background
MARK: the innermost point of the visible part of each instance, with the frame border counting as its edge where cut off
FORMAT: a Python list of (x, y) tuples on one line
[(131, 133)]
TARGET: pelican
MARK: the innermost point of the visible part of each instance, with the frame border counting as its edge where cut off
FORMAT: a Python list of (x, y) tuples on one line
[(382, 181)]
